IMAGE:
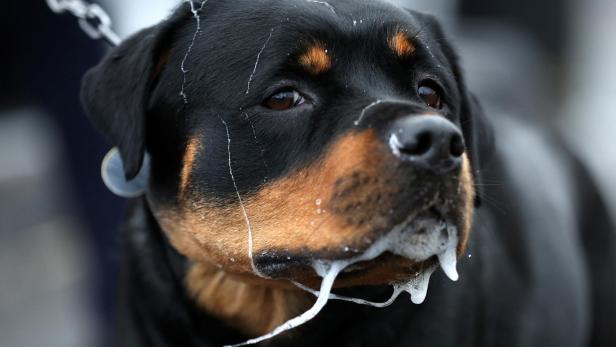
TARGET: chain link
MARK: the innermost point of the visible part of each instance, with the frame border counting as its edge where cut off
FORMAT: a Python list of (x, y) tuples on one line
[(93, 20)]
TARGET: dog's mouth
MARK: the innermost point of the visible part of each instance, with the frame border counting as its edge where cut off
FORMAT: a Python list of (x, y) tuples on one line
[(423, 241)]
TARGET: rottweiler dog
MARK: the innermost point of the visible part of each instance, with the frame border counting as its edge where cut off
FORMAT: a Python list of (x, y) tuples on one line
[(287, 137)]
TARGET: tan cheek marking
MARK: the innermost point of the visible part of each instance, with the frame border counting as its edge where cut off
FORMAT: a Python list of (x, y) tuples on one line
[(316, 59), (188, 163), (252, 308), (282, 216), (287, 213), (467, 191), (401, 45)]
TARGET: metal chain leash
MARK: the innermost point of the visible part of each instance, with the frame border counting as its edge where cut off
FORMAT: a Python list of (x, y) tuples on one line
[(93, 20)]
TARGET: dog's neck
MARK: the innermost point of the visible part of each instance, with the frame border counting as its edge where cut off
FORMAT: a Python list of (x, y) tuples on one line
[(251, 308), (156, 279), (156, 306)]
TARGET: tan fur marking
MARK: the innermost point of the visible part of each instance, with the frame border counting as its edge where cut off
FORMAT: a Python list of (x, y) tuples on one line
[(401, 45), (316, 59), (187, 163), (283, 214), (253, 309), (467, 188)]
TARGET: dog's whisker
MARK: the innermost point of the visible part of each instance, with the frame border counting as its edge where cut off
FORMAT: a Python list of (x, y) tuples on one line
[(325, 3), (195, 11), (258, 143), (241, 201), (363, 112), (493, 202), (254, 70)]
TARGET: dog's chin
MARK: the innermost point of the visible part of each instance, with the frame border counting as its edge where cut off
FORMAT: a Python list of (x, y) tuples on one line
[(418, 242)]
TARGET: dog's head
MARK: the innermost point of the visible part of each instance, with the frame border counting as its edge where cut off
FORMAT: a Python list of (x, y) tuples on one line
[(289, 131)]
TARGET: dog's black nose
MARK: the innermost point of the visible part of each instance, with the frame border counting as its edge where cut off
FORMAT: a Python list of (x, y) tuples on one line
[(428, 142)]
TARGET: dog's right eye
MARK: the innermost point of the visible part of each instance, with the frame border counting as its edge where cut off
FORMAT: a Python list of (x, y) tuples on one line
[(284, 100)]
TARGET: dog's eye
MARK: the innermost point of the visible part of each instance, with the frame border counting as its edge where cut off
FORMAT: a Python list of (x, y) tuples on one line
[(284, 100), (429, 94)]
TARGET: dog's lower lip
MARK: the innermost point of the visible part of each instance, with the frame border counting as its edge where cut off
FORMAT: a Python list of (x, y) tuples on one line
[(386, 259), (353, 269)]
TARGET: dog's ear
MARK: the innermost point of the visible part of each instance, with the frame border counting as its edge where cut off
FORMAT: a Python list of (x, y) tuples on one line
[(478, 137), (115, 93), (475, 125)]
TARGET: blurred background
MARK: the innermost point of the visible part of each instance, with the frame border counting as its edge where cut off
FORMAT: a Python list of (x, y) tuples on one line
[(547, 59)]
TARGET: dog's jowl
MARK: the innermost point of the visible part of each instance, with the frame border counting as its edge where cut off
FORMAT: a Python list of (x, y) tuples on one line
[(301, 146)]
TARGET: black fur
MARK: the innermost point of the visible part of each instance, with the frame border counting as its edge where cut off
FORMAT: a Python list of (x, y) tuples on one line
[(541, 272)]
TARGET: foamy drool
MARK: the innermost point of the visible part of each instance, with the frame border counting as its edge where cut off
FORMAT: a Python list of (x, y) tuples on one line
[(439, 240)]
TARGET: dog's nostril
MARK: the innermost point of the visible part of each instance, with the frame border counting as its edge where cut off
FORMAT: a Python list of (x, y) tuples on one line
[(457, 147), (418, 146), (429, 142)]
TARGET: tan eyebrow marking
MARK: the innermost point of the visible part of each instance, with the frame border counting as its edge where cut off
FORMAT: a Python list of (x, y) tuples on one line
[(316, 59), (188, 163), (401, 44)]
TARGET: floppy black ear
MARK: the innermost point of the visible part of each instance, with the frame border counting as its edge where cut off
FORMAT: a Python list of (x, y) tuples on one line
[(475, 126), (115, 93)]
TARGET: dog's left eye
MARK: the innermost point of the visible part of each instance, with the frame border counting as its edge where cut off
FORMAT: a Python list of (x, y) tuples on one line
[(284, 100), (430, 94)]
